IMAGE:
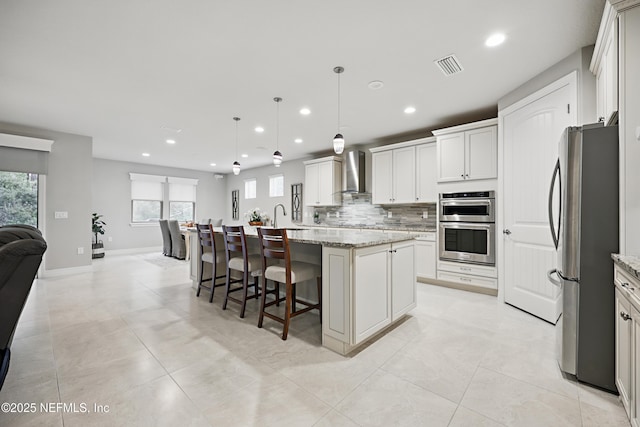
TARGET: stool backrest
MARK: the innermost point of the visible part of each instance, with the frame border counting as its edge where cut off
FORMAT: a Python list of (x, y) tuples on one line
[(206, 237), (235, 241), (274, 244)]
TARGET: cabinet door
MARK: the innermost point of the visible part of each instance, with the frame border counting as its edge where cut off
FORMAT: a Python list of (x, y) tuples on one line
[(623, 350), (311, 196), (371, 291), (382, 178), (634, 408), (326, 181), (481, 148), (403, 279), (425, 259), (451, 157), (404, 175), (426, 176)]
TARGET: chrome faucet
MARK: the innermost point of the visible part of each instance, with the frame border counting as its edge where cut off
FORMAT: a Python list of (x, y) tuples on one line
[(275, 218)]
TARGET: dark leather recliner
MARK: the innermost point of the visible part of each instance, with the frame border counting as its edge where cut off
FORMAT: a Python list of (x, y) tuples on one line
[(21, 250)]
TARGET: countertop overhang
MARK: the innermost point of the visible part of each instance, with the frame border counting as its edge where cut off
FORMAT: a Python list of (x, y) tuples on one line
[(335, 238)]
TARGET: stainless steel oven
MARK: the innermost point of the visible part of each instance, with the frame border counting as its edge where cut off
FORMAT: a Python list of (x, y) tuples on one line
[(467, 227)]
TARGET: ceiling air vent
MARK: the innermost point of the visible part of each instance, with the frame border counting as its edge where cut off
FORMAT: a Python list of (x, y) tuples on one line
[(449, 65)]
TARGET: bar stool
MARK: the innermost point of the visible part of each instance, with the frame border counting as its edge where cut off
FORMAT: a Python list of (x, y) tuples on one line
[(235, 241), (216, 257), (274, 245)]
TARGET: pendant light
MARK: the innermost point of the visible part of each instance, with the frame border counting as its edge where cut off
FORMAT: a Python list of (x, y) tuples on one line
[(277, 155), (236, 164), (338, 140)]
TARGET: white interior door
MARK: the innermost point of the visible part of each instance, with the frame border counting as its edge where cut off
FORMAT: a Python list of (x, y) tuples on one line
[(531, 131)]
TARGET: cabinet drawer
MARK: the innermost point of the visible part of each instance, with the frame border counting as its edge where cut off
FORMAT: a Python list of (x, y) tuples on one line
[(484, 282), (472, 269), (623, 278)]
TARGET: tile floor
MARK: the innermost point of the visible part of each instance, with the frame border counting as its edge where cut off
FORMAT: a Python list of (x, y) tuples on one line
[(131, 335)]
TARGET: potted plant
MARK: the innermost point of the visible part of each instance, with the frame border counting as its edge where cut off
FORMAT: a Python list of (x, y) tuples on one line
[(97, 227), (256, 217)]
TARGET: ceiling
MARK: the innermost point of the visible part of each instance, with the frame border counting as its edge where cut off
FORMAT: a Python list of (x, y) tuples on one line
[(132, 73)]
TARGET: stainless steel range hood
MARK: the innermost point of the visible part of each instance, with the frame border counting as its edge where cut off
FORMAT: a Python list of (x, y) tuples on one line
[(355, 171)]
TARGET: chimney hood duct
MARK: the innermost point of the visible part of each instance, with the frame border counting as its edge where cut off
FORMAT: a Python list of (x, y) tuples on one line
[(355, 172)]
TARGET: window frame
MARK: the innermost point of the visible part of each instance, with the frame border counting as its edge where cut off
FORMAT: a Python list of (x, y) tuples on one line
[(271, 181), (255, 188)]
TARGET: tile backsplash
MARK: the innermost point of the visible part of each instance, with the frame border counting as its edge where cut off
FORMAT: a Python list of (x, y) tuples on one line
[(357, 210)]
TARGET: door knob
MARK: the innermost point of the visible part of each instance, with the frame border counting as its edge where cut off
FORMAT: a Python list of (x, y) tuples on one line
[(506, 231)]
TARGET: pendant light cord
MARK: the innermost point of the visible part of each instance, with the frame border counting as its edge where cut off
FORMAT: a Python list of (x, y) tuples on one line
[(339, 102), (277, 125)]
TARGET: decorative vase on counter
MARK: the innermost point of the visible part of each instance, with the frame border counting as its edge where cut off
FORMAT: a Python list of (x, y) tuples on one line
[(256, 223)]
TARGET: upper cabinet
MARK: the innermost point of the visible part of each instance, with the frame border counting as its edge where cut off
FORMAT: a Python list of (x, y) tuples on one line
[(604, 65), (468, 151), (404, 173), (323, 181)]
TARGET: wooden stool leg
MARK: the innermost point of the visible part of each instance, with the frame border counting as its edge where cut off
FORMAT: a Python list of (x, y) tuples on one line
[(319, 284), (263, 300), (293, 297), (245, 288), (227, 287), (255, 287), (213, 279), (277, 285), (200, 278), (287, 312)]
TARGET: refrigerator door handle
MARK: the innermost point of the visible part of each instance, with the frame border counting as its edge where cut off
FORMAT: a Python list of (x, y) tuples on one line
[(556, 175), (550, 274)]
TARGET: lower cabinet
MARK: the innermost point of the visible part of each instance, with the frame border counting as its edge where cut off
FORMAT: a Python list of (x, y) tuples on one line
[(478, 276), (426, 256), (367, 289), (628, 343)]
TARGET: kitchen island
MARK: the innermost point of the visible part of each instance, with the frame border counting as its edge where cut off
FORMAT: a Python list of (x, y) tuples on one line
[(368, 279)]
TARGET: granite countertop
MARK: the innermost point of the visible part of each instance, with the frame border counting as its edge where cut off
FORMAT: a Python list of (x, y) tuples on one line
[(336, 238), (631, 264), (416, 228)]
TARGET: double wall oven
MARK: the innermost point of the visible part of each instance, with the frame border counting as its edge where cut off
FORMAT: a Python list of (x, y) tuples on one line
[(467, 227)]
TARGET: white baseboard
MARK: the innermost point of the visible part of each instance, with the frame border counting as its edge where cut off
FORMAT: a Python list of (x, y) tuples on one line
[(57, 272), (133, 251)]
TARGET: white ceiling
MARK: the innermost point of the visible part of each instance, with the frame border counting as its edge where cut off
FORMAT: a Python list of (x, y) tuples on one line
[(120, 71)]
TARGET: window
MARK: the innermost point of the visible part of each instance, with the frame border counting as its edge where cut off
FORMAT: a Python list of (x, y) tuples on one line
[(18, 198), (146, 197), (182, 199), (250, 188), (276, 185), (152, 200)]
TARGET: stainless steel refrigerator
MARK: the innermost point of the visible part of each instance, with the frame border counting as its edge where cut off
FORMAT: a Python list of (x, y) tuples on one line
[(583, 217)]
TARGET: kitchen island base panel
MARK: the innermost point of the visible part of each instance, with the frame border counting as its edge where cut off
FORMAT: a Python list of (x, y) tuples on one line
[(460, 286)]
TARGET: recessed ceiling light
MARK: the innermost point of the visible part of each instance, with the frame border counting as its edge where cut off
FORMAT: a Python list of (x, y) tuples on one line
[(259, 129), (213, 164), (376, 84), (495, 40), (171, 141), (171, 129), (305, 111), (146, 154), (410, 110), (245, 156), (298, 140)]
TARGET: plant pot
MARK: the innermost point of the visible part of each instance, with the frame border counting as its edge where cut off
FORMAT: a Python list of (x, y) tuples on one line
[(97, 250), (256, 223)]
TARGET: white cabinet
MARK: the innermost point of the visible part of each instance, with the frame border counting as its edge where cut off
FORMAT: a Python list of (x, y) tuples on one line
[(477, 276), (368, 288), (604, 65), (323, 181), (372, 293), (403, 279), (627, 313), (394, 176), (404, 173), (426, 176), (467, 152), (426, 254)]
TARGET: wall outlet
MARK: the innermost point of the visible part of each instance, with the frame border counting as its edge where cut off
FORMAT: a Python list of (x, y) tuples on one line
[(80, 251), (389, 214), (425, 214), (61, 215)]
